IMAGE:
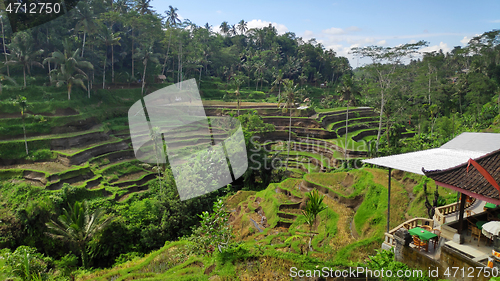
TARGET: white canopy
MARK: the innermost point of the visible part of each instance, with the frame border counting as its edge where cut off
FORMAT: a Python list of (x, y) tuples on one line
[(453, 153)]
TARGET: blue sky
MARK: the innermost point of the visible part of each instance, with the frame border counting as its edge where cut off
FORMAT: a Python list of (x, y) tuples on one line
[(340, 25)]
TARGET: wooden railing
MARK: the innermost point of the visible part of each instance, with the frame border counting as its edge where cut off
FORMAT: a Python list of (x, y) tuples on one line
[(441, 212), (389, 237)]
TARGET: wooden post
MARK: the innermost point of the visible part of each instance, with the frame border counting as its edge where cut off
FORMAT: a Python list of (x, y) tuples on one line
[(389, 201), (461, 213)]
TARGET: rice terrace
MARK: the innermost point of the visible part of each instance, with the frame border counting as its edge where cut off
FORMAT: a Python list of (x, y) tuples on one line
[(349, 164)]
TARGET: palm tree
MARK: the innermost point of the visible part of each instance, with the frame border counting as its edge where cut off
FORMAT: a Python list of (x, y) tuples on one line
[(146, 54), (70, 71), (22, 53), (233, 31), (79, 226), (172, 21), (224, 27), (143, 7), (238, 80), (289, 101), (85, 21), (242, 26), (277, 82), (109, 38), (348, 90), (314, 206), (122, 6)]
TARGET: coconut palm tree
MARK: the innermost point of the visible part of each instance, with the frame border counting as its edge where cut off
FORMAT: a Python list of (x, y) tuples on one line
[(143, 7), (172, 21), (79, 226), (70, 71), (238, 80), (233, 31), (278, 80), (147, 55), (242, 26), (22, 53), (109, 38), (348, 91), (86, 20), (224, 27), (288, 100)]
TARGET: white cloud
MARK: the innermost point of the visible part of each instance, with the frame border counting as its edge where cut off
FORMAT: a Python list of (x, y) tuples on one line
[(308, 35), (465, 40), (495, 21), (339, 31), (381, 42), (435, 48), (281, 28), (219, 12)]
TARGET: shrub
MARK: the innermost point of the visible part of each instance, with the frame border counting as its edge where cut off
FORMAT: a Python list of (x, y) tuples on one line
[(42, 154), (26, 263)]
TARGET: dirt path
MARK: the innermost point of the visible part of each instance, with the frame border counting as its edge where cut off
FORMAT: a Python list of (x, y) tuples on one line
[(344, 235)]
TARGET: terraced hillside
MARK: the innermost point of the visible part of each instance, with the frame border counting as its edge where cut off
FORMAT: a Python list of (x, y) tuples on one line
[(274, 233), (92, 149)]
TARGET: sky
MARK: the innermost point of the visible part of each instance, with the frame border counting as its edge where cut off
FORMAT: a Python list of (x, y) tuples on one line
[(341, 25)]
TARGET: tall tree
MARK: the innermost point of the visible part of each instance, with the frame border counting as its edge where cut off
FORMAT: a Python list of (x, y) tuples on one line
[(86, 20), (242, 26), (22, 53), (289, 103), (70, 68), (109, 38), (78, 225), (143, 7), (147, 55), (278, 80), (172, 21), (385, 61), (224, 27)]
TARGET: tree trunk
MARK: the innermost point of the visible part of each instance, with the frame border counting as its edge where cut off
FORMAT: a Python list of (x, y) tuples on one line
[(144, 76), (112, 65), (69, 91), (166, 57), (346, 130), (84, 257), (84, 37), (4, 50), (133, 53), (24, 131), (24, 75), (199, 83), (380, 120), (289, 138), (429, 85), (104, 72)]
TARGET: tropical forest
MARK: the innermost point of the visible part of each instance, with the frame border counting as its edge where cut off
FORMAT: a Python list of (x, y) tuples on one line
[(77, 204)]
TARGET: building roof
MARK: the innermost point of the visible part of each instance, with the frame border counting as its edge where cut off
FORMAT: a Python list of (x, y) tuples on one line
[(453, 153), (471, 182)]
